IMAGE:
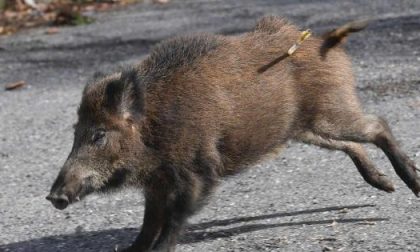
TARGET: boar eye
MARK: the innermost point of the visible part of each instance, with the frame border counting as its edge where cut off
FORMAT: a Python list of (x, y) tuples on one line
[(98, 136)]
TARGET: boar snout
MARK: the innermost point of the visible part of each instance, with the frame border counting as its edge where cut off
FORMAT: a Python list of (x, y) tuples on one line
[(59, 201), (70, 186)]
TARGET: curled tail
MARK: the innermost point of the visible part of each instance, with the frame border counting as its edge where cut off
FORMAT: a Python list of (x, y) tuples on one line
[(336, 36)]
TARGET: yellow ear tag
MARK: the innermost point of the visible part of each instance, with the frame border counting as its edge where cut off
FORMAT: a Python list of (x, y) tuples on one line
[(303, 36)]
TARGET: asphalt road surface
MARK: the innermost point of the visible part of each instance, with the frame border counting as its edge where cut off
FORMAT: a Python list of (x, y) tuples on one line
[(306, 199)]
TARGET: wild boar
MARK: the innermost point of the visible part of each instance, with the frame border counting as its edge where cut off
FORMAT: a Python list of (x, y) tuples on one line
[(203, 107)]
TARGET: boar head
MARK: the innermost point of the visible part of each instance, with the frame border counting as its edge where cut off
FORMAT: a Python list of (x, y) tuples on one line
[(108, 150)]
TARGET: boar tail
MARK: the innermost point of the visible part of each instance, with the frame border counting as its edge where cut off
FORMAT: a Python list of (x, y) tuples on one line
[(336, 36)]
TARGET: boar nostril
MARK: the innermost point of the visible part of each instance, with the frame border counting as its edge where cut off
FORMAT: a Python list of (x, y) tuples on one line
[(59, 202)]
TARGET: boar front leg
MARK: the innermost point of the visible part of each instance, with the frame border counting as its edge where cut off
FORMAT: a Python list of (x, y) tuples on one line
[(176, 215), (172, 195), (163, 220), (191, 187), (182, 204), (152, 225), (165, 217)]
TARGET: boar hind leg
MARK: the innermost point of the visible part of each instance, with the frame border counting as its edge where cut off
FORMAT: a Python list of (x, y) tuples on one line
[(370, 129), (358, 155)]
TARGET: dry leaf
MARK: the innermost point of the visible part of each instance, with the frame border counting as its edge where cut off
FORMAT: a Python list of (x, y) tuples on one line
[(52, 30), (15, 85), (161, 1), (31, 3), (20, 15), (333, 224)]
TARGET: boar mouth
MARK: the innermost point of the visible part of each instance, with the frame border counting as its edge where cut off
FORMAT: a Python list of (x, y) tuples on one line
[(118, 179), (85, 189), (63, 196)]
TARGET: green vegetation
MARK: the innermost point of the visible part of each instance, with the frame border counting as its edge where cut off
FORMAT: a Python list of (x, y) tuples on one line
[(79, 19)]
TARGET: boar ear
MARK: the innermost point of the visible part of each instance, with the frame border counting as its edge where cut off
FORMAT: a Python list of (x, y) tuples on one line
[(125, 96)]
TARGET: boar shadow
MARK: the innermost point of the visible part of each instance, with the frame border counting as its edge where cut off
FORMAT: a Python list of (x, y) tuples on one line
[(105, 240)]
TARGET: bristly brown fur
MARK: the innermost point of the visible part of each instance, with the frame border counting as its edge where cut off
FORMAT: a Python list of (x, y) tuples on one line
[(272, 25), (198, 109), (173, 54)]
